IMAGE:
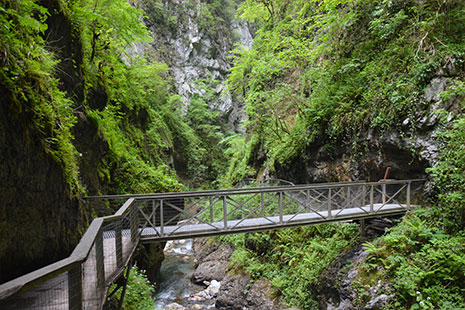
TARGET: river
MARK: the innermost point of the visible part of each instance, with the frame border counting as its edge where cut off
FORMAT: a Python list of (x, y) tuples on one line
[(176, 291)]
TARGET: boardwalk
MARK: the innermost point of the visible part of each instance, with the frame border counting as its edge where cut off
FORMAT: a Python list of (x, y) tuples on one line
[(82, 281)]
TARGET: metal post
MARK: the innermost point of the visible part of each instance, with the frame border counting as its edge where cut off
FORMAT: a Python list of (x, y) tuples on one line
[(99, 260), (262, 203), (133, 223), (154, 214), (408, 195), (383, 186), (118, 245), (162, 220), (364, 194), (280, 207), (348, 196), (329, 203), (371, 198), (225, 213), (121, 299), (75, 288), (211, 209), (307, 200)]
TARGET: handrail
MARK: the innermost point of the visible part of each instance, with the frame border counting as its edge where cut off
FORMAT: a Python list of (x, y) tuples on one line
[(239, 191), (78, 256)]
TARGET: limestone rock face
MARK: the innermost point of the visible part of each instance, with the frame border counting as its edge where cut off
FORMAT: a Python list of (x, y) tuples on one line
[(212, 261), (236, 291), (196, 41)]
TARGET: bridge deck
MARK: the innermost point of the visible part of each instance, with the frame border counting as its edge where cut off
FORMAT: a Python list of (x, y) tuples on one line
[(181, 231)]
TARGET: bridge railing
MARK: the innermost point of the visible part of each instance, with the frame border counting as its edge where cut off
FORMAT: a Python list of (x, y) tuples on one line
[(80, 281), (228, 211)]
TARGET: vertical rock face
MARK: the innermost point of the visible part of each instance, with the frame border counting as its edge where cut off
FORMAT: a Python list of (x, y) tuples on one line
[(38, 220), (195, 39), (409, 150)]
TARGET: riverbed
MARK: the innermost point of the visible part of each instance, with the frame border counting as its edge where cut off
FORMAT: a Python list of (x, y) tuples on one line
[(176, 291)]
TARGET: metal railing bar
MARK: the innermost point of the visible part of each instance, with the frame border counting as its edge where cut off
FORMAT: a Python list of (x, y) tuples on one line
[(235, 207), (247, 216), (348, 205), (391, 198), (213, 192), (249, 190), (149, 217), (316, 198), (270, 199), (304, 207), (177, 216), (195, 216), (240, 205)]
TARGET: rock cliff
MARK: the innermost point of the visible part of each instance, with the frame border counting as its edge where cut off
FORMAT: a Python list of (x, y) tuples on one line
[(195, 39)]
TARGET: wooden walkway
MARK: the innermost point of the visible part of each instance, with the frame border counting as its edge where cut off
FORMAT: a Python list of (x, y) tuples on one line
[(82, 280)]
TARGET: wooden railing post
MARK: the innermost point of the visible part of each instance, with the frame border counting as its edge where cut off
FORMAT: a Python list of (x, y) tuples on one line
[(99, 260), (75, 288), (118, 244), (281, 207)]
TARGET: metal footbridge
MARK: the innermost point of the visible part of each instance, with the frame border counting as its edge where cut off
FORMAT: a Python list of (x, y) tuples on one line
[(83, 280)]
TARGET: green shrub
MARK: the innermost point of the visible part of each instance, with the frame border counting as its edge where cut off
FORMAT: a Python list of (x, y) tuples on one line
[(292, 259), (139, 292)]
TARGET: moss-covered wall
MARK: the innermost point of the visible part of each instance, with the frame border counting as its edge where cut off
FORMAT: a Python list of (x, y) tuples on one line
[(75, 120)]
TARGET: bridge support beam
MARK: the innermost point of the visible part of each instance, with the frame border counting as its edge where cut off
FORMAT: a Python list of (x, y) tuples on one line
[(362, 228)]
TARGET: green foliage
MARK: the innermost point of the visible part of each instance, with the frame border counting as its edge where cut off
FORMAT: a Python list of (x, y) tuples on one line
[(206, 159), (327, 70), (27, 75), (449, 177), (139, 292), (425, 265), (292, 259)]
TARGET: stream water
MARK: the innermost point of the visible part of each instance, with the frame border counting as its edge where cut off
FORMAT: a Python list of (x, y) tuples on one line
[(176, 290)]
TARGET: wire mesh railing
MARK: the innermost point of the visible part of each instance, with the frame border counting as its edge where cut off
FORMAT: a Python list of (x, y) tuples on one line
[(82, 280)]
